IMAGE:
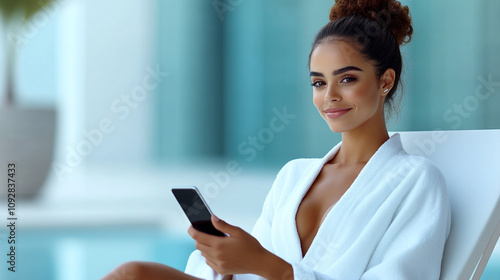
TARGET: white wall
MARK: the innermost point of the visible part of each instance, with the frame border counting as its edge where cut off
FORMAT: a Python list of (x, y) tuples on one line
[(82, 57), (119, 48), (105, 48)]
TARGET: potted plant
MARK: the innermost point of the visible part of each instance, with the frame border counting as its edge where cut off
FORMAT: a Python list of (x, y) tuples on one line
[(26, 134)]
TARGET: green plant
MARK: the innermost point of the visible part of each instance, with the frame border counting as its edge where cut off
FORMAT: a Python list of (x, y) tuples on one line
[(15, 15)]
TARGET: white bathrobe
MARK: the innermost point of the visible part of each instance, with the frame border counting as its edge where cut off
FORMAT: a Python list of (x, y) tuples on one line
[(392, 223)]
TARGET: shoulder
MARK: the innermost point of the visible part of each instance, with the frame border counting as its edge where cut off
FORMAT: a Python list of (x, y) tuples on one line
[(299, 163), (411, 164), (297, 168), (414, 179), (426, 172), (423, 164), (293, 172), (414, 167), (423, 182)]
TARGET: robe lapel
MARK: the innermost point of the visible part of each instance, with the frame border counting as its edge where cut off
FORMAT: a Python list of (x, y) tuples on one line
[(295, 250), (324, 243)]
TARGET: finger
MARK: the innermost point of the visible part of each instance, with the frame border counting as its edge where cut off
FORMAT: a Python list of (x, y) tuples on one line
[(225, 227), (200, 236), (191, 231), (212, 265), (203, 248), (208, 256)]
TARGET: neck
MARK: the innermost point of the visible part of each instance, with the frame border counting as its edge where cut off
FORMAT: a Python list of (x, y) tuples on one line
[(360, 144)]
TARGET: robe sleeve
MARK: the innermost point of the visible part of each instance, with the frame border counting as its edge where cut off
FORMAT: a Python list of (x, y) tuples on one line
[(197, 266), (413, 244), (262, 228)]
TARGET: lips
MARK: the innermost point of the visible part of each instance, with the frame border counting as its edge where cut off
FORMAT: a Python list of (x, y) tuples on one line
[(334, 113)]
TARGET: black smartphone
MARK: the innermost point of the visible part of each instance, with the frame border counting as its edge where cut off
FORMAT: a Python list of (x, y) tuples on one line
[(196, 209)]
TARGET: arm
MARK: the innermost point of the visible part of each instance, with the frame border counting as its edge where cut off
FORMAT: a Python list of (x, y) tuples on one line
[(258, 249), (239, 253), (275, 268), (197, 263)]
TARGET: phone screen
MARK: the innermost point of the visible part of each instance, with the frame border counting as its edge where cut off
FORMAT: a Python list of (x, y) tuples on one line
[(196, 210)]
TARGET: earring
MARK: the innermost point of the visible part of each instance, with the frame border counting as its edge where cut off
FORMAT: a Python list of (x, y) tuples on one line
[(386, 90)]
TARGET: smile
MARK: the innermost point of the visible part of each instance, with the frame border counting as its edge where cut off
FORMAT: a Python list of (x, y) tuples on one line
[(334, 113)]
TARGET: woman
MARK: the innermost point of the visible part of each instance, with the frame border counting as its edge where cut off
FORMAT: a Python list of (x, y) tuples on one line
[(367, 210)]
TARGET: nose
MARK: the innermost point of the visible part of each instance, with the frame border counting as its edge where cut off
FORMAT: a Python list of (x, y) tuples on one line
[(332, 95)]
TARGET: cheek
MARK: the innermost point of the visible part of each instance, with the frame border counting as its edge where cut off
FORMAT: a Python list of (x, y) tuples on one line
[(365, 95), (317, 99)]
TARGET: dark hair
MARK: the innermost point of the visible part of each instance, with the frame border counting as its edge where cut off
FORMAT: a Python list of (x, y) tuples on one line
[(376, 29)]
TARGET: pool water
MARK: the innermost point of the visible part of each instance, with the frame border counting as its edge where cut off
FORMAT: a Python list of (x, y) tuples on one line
[(492, 270), (83, 254), (80, 254)]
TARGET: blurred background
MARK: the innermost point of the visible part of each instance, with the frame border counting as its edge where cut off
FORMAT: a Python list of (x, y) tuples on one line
[(133, 97)]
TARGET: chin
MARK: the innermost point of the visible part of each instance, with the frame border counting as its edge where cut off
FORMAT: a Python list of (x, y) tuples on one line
[(336, 130), (337, 125), (339, 128)]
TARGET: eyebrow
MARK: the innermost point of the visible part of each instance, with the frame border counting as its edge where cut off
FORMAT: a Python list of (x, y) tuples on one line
[(338, 71)]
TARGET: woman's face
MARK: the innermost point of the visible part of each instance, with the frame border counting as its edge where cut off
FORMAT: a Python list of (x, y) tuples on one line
[(346, 90)]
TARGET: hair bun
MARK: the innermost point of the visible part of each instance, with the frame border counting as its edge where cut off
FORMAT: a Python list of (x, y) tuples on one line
[(389, 14)]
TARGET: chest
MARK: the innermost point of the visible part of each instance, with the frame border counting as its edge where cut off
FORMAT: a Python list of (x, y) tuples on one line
[(328, 187)]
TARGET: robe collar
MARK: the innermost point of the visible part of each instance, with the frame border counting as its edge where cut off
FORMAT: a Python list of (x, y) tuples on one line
[(383, 154)]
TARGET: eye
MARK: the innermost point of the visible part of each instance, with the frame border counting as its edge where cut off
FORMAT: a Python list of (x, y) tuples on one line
[(348, 80), (317, 84)]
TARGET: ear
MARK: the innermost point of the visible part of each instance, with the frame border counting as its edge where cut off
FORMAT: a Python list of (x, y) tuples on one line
[(387, 81)]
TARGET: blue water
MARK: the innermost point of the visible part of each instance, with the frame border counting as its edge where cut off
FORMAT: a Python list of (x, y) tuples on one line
[(492, 270), (82, 254)]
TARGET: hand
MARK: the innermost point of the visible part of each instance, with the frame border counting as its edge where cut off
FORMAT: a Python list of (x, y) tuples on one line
[(237, 253)]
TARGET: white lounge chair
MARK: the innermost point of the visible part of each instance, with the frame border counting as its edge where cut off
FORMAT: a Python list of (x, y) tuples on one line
[(470, 162)]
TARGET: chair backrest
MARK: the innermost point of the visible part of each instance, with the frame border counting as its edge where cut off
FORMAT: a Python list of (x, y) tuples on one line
[(470, 162)]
